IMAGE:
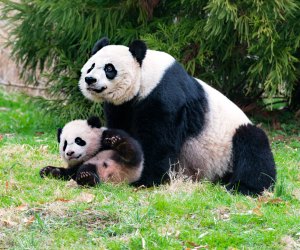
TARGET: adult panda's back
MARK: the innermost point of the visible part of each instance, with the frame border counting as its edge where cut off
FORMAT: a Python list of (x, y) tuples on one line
[(221, 111), (209, 154)]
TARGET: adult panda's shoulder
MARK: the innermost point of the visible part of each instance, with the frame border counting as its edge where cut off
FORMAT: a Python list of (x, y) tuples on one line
[(154, 67), (221, 109), (163, 75), (164, 78), (161, 68)]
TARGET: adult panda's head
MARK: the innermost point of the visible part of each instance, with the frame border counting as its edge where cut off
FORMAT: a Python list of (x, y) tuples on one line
[(113, 72), (79, 140)]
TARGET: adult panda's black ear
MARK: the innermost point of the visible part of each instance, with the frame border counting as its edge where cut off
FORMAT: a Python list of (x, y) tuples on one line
[(100, 44), (138, 50), (94, 122), (59, 134)]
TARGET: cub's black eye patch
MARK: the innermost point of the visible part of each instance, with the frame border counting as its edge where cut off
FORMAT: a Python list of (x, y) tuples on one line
[(79, 141), (110, 71), (105, 164), (65, 145), (91, 68)]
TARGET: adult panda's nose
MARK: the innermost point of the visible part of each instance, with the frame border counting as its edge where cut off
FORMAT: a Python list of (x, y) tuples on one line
[(90, 80), (70, 153)]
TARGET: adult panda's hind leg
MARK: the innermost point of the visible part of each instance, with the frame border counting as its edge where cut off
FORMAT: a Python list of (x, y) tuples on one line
[(253, 164)]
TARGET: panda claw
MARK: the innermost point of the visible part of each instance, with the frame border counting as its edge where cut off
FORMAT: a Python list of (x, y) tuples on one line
[(86, 179), (49, 171), (112, 140)]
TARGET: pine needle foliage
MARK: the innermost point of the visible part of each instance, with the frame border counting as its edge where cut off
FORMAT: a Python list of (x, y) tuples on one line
[(55, 38), (245, 48)]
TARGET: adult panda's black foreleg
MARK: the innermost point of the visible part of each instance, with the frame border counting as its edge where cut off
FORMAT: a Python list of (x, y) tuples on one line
[(157, 133), (253, 164), (160, 152)]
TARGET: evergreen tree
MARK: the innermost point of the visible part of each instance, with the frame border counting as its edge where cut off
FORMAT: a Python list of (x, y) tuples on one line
[(245, 48)]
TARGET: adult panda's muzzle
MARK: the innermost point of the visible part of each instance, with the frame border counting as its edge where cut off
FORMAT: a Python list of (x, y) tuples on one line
[(91, 86), (96, 89)]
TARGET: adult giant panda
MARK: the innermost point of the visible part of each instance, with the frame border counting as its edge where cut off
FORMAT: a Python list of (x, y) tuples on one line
[(176, 117)]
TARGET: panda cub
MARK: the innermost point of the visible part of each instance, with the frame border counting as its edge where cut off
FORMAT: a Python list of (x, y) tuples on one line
[(96, 154)]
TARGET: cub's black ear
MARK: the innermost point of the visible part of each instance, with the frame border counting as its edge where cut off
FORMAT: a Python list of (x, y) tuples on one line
[(94, 122), (100, 44), (58, 134), (138, 50)]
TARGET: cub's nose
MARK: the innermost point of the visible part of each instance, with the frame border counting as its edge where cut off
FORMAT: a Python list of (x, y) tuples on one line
[(70, 153), (90, 80)]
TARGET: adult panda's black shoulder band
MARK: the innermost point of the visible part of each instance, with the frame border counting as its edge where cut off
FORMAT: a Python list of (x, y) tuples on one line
[(138, 50)]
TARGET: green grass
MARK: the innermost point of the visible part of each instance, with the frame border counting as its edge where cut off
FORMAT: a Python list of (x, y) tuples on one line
[(40, 213)]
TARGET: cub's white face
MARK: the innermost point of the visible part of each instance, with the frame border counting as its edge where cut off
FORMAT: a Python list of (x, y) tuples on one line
[(111, 75), (79, 142)]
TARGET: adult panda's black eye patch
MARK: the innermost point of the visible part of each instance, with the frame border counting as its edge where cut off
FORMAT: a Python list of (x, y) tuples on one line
[(80, 142), (110, 71), (91, 68), (65, 145)]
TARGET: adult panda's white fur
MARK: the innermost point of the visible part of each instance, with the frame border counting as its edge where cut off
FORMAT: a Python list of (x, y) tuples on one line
[(120, 89), (149, 95), (208, 155), (95, 154)]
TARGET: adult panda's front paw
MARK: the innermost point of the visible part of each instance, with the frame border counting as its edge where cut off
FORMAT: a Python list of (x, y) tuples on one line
[(50, 171)]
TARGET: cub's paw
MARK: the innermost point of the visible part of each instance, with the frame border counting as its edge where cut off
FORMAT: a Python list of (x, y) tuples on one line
[(110, 139), (50, 171), (87, 178)]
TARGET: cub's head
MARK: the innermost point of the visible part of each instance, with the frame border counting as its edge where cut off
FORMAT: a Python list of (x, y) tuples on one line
[(113, 72), (79, 140)]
